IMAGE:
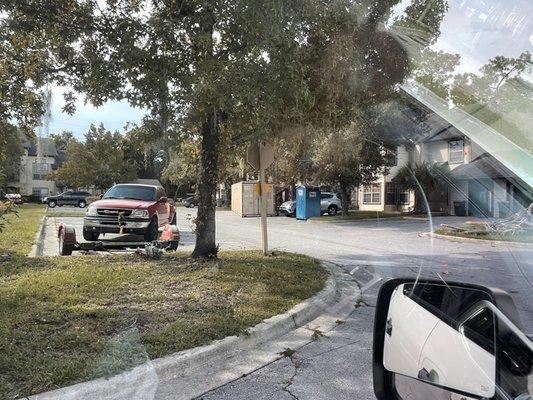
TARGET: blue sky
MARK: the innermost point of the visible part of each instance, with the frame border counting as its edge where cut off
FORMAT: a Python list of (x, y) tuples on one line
[(476, 29)]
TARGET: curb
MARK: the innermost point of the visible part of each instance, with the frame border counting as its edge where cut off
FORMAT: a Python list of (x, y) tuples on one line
[(38, 242), (471, 240), (143, 379), (347, 221)]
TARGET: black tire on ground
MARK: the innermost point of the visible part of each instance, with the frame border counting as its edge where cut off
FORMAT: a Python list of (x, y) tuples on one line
[(90, 236), (152, 232), (332, 210), (173, 246), (174, 219), (82, 204), (65, 249), (52, 204)]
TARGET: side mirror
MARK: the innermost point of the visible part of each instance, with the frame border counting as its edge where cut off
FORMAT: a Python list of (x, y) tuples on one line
[(101, 196), (432, 338), (163, 200)]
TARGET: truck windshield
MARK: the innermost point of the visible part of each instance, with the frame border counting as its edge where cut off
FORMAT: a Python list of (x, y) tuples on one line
[(133, 192)]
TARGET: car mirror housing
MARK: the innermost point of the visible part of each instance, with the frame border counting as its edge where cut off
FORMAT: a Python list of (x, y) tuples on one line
[(163, 200), (434, 336), (101, 196)]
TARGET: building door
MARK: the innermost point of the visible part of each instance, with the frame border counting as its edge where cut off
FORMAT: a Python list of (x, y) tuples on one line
[(480, 198)]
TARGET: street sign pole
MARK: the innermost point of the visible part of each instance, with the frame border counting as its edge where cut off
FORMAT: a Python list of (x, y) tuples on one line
[(261, 156), (262, 191)]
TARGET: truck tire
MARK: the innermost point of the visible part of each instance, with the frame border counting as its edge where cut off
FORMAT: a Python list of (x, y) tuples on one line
[(90, 236), (152, 232), (174, 219)]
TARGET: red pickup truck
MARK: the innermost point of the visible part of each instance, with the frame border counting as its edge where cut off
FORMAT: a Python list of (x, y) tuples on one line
[(129, 208)]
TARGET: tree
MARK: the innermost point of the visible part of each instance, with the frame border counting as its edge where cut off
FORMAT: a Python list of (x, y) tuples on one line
[(424, 179), (98, 161), (183, 169), (62, 140), (10, 153), (219, 70)]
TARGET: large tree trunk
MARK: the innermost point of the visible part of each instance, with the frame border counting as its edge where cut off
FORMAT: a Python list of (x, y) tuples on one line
[(345, 198), (205, 246)]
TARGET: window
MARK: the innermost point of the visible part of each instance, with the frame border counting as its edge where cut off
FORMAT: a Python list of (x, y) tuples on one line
[(40, 170), (326, 196), (395, 195), (456, 151), (372, 194)]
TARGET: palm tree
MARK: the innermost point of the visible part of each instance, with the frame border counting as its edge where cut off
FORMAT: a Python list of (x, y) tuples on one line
[(424, 179)]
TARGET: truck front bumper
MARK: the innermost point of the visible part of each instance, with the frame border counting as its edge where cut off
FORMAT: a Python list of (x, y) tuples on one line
[(130, 225)]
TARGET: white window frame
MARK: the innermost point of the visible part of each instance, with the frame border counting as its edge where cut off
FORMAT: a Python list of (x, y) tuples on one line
[(374, 191), (452, 153)]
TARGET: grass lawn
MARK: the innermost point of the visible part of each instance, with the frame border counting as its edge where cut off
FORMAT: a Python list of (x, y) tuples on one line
[(487, 236), (358, 214), (69, 319), (20, 229)]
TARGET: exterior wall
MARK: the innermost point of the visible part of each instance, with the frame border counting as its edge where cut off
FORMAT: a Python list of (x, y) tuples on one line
[(502, 200), (458, 192), (27, 183)]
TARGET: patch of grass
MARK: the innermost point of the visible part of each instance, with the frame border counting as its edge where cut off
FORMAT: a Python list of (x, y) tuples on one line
[(358, 214), (20, 229), (69, 319), (523, 238)]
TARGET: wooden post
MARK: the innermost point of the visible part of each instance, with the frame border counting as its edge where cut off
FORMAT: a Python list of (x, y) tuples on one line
[(262, 192)]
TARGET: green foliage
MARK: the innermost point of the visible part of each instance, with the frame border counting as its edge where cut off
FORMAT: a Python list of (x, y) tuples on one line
[(424, 178), (20, 224), (10, 152), (98, 161)]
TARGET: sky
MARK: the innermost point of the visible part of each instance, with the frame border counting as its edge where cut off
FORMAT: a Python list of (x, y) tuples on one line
[(476, 29)]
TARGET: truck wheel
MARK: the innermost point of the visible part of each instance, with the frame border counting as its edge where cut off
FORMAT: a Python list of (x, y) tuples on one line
[(332, 210), (82, 204), (52, 204), (174, 219), (152, 232), (90, 236)]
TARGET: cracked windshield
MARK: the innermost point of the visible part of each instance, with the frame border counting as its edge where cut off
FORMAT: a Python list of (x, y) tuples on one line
[(266, 199)]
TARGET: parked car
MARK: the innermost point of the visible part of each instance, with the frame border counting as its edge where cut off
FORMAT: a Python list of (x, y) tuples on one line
[(329, 203), (288, 208), (70, 198), (14, 197), (129, 208), (190, 202)]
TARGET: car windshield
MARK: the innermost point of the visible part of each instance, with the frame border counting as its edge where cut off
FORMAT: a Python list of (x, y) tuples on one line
[(131, 192), (300, 155)]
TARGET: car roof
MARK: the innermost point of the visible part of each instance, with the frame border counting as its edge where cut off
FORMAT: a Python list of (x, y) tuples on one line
[(137, 184)]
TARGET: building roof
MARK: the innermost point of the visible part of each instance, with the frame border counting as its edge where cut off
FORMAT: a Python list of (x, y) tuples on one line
[(513, 157), (48, 148), (483, 167)]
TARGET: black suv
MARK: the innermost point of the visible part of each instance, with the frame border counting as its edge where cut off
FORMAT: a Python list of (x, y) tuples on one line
[(69, 198)]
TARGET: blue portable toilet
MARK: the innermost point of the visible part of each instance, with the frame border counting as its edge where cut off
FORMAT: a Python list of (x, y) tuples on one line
[(307, 202)]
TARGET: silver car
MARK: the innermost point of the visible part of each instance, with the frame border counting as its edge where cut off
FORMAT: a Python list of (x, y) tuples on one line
[(329, 203)]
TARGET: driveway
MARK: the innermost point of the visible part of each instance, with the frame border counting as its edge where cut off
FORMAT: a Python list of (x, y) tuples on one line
[(339, 364)]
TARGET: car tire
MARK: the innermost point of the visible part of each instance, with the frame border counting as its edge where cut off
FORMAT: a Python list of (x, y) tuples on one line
[(90, 236), (174, 219), (333, 209), (82, 204), (52, 204), (152, 232)]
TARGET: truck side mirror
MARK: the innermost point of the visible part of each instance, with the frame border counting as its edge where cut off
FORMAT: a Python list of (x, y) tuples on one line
[(432, 338), (101, 196), (163, 200)]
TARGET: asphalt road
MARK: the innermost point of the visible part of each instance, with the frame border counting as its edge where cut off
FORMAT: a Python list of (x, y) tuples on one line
[(339, 365)]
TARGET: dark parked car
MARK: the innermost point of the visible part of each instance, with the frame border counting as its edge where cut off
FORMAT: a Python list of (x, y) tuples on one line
[(70, 198), (190, 202)]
